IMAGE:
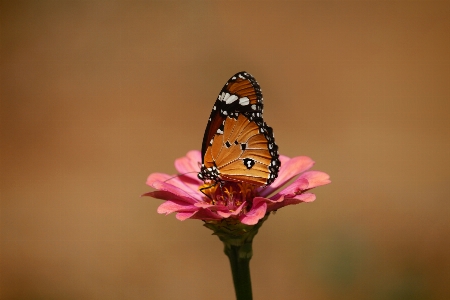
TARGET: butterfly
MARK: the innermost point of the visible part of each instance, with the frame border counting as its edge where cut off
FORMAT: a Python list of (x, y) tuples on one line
[(238, 145)]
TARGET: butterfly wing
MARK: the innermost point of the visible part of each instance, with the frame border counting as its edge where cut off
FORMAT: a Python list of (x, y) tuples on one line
[(238, 145), (241, 152), (241, 93)]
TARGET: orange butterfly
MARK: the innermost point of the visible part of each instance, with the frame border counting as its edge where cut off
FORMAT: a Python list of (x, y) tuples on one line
[(238, 145)]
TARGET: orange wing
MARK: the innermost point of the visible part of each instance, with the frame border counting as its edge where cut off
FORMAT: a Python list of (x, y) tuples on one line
[(241, 94), (241, 153)]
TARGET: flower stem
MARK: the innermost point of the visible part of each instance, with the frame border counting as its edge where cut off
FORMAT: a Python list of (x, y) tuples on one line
[(240, 268), (237, 239)]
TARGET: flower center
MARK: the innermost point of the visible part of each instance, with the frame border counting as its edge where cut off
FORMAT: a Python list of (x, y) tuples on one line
[(228, 193)]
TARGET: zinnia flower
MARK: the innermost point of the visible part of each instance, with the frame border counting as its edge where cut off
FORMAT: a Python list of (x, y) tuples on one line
[(182, 194)]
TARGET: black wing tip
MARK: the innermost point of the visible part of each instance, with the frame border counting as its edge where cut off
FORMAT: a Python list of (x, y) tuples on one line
[(243, 73)]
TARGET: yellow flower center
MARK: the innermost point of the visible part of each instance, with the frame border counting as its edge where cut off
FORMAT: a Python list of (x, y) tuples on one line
[(231, 194)]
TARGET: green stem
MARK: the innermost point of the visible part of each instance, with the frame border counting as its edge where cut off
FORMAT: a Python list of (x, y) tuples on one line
[(240, 268), (238, 239)]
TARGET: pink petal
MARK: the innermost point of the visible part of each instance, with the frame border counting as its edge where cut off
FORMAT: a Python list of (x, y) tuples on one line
[(300, 184), (156, 177), (188, 167), (316, 178), (185, 215), (192, 185), (305, 197), (163, 195), (171, 206), (306, 181), (205, 214), (163, 186), (294, 166), (225, 213), (183, 182), (284, 159), (212, 207), (204, 205), (257, 212), (189, 164), (288, 170), (290, 200), (221, 210)]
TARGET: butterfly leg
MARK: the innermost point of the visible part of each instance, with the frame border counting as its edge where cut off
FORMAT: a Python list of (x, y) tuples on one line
[(206, 188)]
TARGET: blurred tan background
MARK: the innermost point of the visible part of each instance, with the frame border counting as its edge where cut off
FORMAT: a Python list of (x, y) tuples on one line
[(96, 95)]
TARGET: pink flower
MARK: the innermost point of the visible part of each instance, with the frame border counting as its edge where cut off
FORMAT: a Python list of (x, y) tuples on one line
[(241, 201)]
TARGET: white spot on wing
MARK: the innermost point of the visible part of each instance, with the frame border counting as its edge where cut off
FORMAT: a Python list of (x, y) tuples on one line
[(254, 106), (244, 101), (230, 98)]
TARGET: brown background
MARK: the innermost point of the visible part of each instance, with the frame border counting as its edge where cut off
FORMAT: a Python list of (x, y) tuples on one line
[(97, 95)]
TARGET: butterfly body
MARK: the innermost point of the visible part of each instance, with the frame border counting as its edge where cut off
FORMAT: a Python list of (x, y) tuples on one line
[(238, 145)]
